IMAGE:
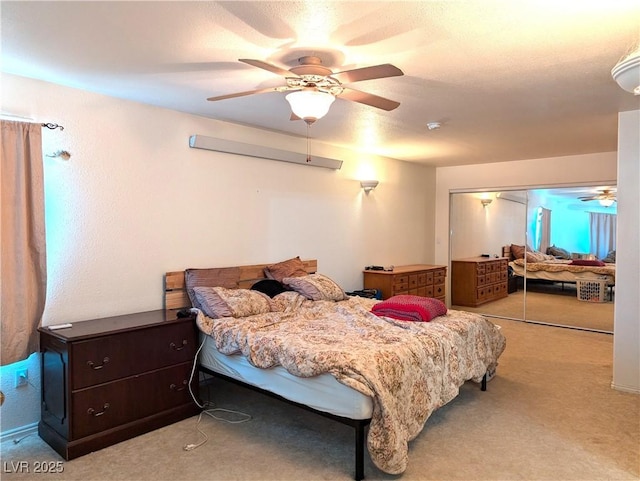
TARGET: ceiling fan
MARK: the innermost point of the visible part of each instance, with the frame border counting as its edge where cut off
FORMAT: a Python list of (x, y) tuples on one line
[(606, 197), (314, 87)]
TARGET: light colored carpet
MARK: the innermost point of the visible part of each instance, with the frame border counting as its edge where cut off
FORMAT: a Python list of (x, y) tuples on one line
[(551, 304), (549, 414)]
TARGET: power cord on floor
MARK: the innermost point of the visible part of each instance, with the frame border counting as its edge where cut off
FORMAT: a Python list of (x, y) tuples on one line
[(19, 440), (211, 412), (209, 409)]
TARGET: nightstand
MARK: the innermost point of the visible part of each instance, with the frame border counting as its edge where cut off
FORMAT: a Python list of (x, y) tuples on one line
[(111, 379)]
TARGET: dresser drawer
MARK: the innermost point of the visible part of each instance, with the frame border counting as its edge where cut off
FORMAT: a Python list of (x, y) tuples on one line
[(115, 403), (400, 283), (430, 278), (481, 293), (413, 281), (439, 276), (112, 357), (500, 289)]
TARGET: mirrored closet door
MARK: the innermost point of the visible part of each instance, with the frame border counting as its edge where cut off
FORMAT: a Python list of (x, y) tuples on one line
[(481, 225), (566, 226)]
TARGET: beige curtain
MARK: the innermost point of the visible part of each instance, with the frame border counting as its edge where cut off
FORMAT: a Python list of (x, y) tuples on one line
[(23, 263)]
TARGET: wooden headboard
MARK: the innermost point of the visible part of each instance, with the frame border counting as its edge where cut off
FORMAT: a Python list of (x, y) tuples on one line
[(242, 277)]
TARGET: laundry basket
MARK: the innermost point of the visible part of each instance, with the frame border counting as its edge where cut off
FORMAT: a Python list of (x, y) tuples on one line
[(591, 290)]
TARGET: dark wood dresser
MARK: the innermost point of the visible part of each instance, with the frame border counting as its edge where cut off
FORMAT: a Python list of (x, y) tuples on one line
[(110, 379), (478, 280), (418, 279)]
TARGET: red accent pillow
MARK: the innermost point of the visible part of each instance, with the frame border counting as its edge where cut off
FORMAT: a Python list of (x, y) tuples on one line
[(406, 307), (587, 262)]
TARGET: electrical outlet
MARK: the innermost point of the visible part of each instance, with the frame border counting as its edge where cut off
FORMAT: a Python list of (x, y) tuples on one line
[(22, 377)]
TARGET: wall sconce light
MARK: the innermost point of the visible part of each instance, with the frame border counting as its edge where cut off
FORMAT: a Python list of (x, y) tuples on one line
[(486, 202), (368, 185)]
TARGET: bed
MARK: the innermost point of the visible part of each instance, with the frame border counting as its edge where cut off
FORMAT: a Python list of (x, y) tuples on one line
[(534, 265), (381, 375)]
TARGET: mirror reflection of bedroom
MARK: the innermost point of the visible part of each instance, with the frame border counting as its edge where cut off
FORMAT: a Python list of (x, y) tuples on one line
[(540, 255)]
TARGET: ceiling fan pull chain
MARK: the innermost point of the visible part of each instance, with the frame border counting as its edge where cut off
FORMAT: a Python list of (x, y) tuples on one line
[(308, 154)]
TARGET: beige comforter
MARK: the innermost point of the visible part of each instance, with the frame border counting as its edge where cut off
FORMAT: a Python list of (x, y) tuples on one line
[(408, 368), (564, 265)]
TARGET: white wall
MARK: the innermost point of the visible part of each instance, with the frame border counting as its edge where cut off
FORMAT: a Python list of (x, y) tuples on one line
[(626, 325), (477, 230), (134, 201)]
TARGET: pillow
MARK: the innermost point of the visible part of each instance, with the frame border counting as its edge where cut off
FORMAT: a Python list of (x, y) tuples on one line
[(517, 251), (537, 257), (559, 252), (290, 268), (222, 302), (611, 257), (270, 287), (405, 307), (586, 262), (316, 287), (209, 278)]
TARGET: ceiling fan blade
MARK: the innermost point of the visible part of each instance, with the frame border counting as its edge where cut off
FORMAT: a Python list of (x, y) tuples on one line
[(242, 94), (368, 99), (267, 66), (367, 73)]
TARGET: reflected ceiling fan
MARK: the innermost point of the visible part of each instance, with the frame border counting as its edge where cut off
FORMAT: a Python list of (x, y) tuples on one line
[(606, 197), (314, 87)]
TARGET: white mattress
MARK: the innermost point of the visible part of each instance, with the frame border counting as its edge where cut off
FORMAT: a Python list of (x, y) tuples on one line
[(322, 392)]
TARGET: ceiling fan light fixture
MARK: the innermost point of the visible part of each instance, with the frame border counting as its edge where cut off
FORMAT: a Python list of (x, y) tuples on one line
[(606, 202), (627, 73), (310, 105)]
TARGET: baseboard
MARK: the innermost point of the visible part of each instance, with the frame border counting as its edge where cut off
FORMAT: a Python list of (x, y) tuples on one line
[(18, 433), (630, 389)]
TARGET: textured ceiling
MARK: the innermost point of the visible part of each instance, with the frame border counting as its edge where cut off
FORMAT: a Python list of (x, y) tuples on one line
[(508, 80)]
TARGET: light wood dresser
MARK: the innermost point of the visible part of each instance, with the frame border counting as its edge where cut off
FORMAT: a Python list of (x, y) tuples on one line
[(110, 379), (477, 280), (418, 279)]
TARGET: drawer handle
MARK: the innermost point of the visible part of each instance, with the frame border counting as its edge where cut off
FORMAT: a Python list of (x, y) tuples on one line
[(92, 365), (173, 387), (93, 412), (176, 348)]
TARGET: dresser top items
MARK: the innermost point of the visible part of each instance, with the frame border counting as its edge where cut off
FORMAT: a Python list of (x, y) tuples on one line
[(111, 325), (481, 259), (406, 269)]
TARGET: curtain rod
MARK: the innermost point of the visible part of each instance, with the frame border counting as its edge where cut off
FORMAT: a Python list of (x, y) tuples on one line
[(49, 125), (52, 126)]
